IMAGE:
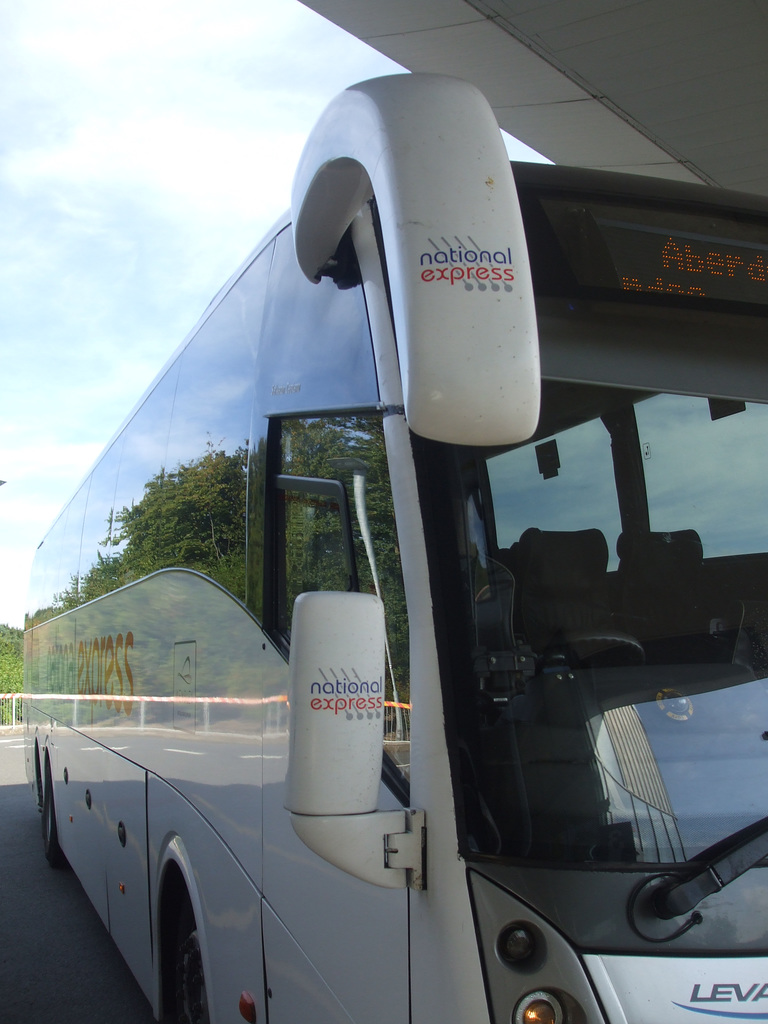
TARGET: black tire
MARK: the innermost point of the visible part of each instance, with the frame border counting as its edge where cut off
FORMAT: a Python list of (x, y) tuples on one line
[(191, 996), (53, 852), (38, 780)]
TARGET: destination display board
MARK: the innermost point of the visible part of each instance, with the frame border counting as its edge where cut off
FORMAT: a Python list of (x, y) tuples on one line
[(662, 251)]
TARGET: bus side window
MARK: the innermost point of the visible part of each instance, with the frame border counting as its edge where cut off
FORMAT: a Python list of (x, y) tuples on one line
[(334, 529)]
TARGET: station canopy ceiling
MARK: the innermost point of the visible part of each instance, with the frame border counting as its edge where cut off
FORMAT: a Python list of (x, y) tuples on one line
[(672, 88)]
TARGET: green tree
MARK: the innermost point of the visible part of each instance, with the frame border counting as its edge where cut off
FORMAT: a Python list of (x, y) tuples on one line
[(11, 659)]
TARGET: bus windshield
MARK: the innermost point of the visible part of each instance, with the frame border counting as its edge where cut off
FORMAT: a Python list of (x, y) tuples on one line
[(615, 577)]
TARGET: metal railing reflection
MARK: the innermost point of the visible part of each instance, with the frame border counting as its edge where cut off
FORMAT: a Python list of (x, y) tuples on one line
[(397, 722), (10, 709), (397, 716)]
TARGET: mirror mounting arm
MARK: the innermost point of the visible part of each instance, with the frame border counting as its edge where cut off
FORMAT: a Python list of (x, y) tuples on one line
[(385, 848)]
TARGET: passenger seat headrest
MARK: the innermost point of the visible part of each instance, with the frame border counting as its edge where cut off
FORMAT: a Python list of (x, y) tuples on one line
[(562, 562), (680, 551)]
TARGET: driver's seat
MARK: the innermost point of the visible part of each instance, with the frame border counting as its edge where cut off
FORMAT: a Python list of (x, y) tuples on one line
[(561, 598)]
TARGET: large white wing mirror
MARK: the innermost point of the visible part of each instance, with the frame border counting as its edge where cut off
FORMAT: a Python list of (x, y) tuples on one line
[(428, 148), (336, 694)]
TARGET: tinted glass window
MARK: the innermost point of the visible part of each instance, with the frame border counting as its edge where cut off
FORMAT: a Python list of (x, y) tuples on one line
[(99, 568), (205, 480), (172, 490), (68, 543), (616, 698), (39, 595), (343, 502), (706, 468), (562, 483), (137, 529), (55, 581), (316, 351)]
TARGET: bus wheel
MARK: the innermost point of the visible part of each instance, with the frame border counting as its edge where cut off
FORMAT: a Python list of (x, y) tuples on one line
[(191, 997), (53, 852), (38, 779)]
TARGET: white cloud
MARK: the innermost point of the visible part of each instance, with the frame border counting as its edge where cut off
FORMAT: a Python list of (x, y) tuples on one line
[(172, 163)]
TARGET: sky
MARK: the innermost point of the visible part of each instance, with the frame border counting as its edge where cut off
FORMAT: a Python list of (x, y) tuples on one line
[(145, 149)]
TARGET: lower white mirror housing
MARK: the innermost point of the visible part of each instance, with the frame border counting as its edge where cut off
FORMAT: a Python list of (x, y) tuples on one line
[(336, 694), (385, 848)]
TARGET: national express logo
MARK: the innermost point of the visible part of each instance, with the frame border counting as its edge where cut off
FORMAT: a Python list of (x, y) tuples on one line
[(467, 265), (352, 697), (99, 666), (729, 1001)]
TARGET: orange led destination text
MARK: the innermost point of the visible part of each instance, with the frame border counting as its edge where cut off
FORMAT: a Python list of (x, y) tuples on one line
[(690, 270)]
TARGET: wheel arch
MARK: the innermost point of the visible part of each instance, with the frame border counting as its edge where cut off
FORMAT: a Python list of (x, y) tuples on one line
[(176, 889)]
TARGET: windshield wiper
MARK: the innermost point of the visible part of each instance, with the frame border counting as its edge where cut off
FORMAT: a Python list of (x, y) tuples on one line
[(724, 862)]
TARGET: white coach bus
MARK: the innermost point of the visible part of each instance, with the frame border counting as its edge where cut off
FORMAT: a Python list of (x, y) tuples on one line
[(404, 658)]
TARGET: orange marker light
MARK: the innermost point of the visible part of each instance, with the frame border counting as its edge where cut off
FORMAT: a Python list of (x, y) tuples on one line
[(248, 1007), (540, 1012), (538, 1008)]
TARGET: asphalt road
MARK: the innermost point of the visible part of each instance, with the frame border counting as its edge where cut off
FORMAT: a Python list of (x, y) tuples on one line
[(57, 961)]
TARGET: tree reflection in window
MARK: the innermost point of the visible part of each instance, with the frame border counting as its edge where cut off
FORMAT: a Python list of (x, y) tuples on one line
[(350, 450), (192, 517)]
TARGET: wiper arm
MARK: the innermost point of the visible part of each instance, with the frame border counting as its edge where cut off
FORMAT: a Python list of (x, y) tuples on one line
[(725, 861)]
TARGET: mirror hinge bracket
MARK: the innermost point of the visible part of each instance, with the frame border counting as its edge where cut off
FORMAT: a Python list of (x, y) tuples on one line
[(408, 849)]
